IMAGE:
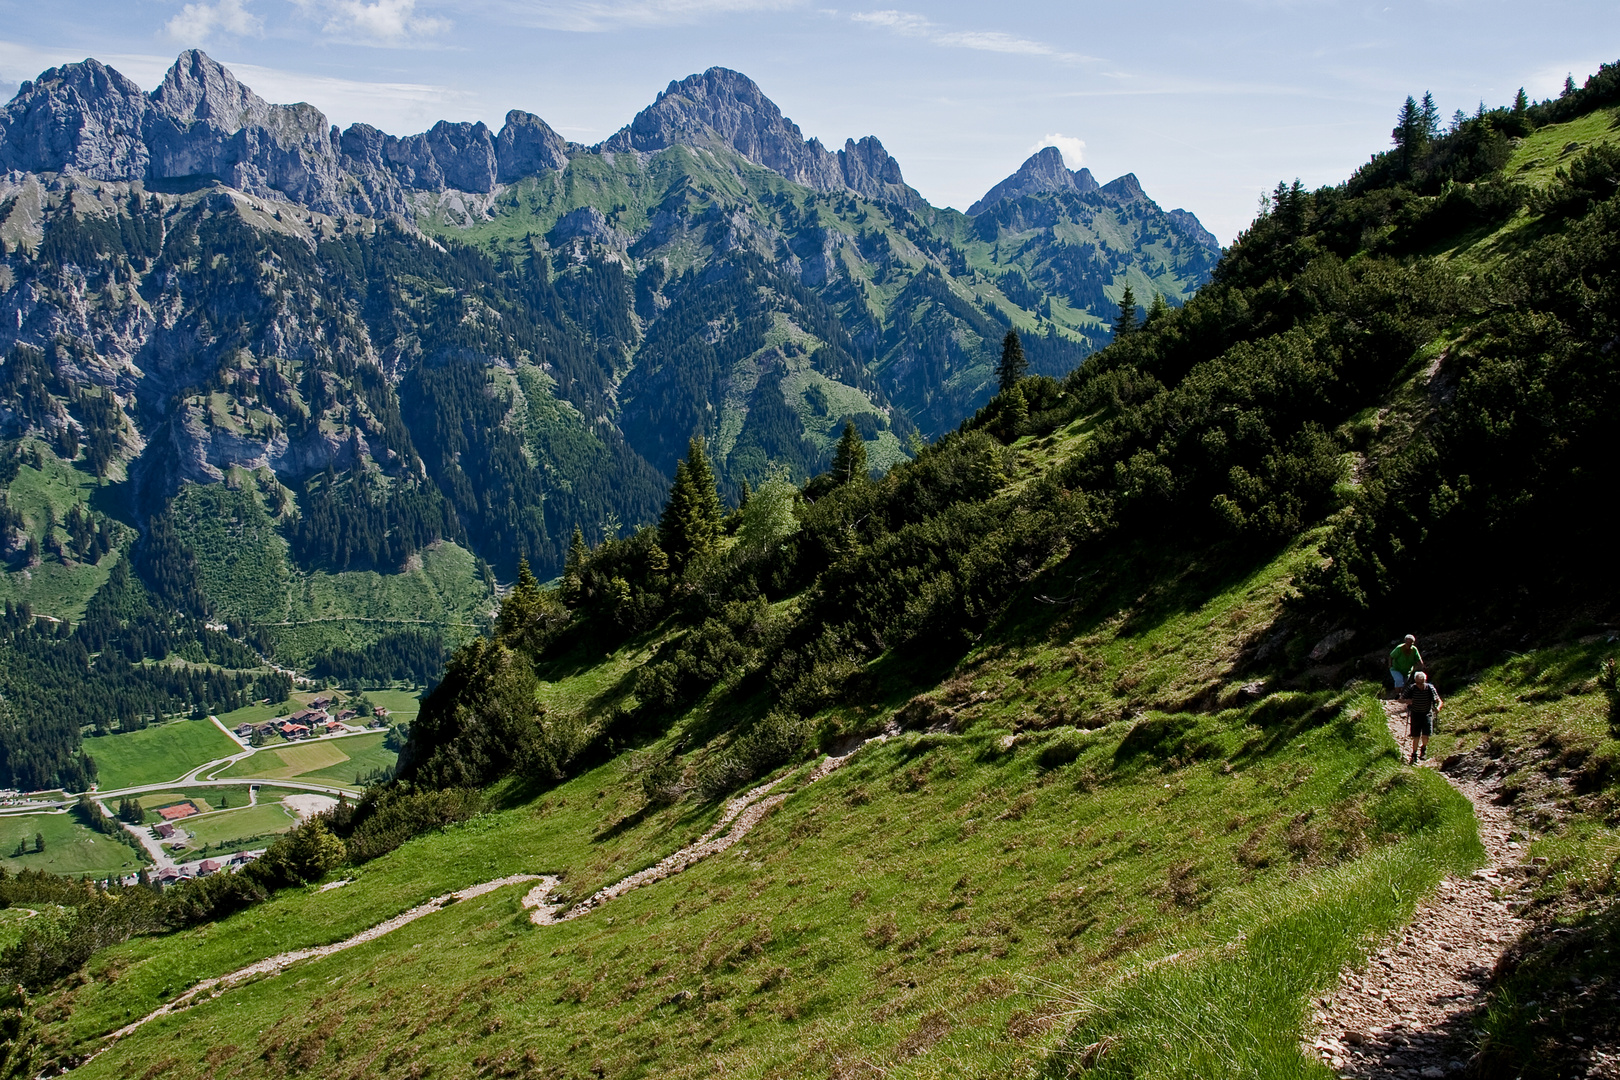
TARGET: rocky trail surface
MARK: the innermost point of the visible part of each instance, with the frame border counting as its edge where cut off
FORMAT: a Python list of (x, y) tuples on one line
[(736, 820), (1405, 1014)]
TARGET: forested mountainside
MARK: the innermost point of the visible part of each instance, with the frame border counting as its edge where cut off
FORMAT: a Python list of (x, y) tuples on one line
[(324, 391), (875, 775)]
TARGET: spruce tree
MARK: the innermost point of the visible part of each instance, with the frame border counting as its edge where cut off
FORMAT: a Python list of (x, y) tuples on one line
[(692, 522), (1410, 133), (1126, 323), (849, 460), (1013, 364), (1431, 117), (1157, 310)]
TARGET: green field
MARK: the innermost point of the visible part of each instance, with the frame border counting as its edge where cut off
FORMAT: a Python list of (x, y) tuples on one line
[(235, 795), (337, 760), (237, 829), (366, 754), (258, 714), (166, 752), (402, 705), (70, 848)]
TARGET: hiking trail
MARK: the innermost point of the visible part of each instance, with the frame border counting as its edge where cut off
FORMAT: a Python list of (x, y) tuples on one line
[(1402, 1014), (736, 820)]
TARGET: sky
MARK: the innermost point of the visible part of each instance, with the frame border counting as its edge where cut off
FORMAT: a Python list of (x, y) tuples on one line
[(1208, 103)]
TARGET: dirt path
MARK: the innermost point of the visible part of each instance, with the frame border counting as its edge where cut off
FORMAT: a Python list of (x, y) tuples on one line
[(736, 821), (275, 964), (1402, 1015)]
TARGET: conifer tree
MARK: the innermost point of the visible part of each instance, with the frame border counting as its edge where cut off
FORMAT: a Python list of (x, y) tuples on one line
[(692, 522), (849, 460), (1013, 364), (1431, 117), (1411, 131), (1157, 310), (1126, 323), (574, 567), (1521, 102)]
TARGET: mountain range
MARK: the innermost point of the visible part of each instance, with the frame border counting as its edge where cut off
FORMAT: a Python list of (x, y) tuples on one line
[(469, 340)]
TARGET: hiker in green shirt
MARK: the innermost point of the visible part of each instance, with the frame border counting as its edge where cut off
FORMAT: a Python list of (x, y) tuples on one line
[(1404, 660)]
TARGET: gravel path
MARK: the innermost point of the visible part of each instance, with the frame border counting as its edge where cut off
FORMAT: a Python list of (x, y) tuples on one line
[(1405, 1013), (276, 964), (736, 820)]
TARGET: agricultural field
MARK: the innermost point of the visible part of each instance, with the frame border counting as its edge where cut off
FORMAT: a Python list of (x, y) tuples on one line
[(70, 848), (236, 830), (204, 798), (402, 705), (337, 760), (156, 754)]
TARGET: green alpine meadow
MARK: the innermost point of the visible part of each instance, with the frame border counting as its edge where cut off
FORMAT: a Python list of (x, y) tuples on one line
[(483, 605)]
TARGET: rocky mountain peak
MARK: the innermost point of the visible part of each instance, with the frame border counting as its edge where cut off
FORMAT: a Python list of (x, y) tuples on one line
[(1126, 188), (726, 108), (83, 116), (198, 87), (1043, 172)]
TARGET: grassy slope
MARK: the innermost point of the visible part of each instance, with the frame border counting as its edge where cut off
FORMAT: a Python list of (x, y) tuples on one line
[(353, 608), (929, 909), (236, 829), (55, 588), (155, 754), (70, 848)]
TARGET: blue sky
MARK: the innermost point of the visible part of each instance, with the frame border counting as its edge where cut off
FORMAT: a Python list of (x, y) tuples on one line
[(1208, 103)]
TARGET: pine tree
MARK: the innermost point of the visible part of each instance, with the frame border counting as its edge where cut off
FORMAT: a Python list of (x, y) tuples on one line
[(1126, 323), (574, 567), (1520, 101), (1569, 86), (1013, 364), (1431, 117), (1411, 130), (692, 522), (1157, 310), (849, 460)]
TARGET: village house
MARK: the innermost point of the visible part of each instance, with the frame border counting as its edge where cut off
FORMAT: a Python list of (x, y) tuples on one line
[(208, 866), (164, 830), (177, 811)]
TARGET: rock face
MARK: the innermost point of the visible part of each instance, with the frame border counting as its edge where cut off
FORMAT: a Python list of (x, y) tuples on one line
[(202, 122), (1194, 229), (1044, 172), (85, 117), (726, 108)]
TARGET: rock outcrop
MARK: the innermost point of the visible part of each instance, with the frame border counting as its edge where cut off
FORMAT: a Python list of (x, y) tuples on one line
[(202, 122), (725, 108), (1044, 172)]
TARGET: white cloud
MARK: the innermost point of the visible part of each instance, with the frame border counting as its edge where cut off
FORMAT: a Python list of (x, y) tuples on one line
[(381, 22), (19, 62), (1073, 149), (911, 24), (397, 108), (200, 23), (592, 16)]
